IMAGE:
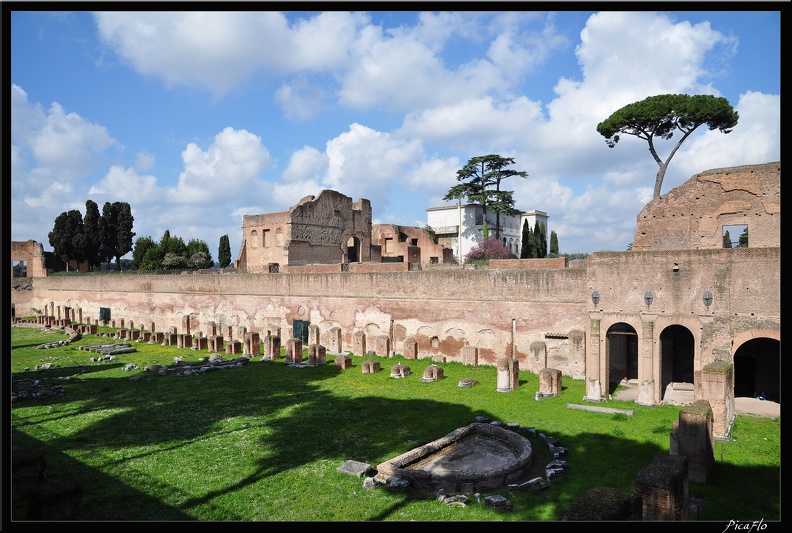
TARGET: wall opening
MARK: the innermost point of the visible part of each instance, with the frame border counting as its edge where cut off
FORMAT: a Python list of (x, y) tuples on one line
[(735, 236), (757, 369), (19, 269), (677, 352), (622, 342)]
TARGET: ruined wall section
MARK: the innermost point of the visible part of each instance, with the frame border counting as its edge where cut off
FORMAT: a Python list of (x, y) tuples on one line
[(411, 243), (264, 237), (437, 308), (501, 312), (320, 228), (692, 216), (743, 281), (32, 253)]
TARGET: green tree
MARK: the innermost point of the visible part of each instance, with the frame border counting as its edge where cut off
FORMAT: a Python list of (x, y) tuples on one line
[(142, 246), (541, 240), (525, 244), (174, 262), (743, 239), (92, 234), (480, 181), (663, 115), (553, 244), (67, 237), (198, 255), (503, 201), (224, 252), (727, 239), (115, 229)]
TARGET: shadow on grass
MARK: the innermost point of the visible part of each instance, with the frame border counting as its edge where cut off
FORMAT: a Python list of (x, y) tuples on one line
[(302, 422)]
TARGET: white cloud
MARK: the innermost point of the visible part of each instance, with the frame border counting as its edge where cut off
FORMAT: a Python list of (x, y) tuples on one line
[(231, 166), (300, 99), (221, 50), (144, 160)]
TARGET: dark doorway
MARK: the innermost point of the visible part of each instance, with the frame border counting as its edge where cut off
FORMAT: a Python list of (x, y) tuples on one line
[(677, 351), (622, 355), (757, 369), (353, 250)]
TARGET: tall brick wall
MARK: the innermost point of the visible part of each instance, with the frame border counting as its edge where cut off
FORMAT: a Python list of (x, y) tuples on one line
[(446, 310), (692, 216)]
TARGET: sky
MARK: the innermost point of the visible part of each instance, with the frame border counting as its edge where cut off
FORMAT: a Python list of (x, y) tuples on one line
[(198, 118)]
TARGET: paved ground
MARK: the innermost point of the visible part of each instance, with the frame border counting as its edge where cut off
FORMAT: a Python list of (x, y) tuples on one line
[(742, 406)]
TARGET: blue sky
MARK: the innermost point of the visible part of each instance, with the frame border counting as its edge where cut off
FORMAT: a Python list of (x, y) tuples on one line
[(196, 119)]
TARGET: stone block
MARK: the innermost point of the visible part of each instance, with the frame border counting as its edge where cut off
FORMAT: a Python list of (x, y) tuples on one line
[(343, 362)]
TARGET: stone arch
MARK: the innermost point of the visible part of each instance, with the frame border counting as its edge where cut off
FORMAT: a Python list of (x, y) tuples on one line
[(757, 361)]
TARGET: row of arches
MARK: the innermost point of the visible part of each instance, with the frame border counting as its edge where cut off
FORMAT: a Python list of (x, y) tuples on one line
[(756, 361)]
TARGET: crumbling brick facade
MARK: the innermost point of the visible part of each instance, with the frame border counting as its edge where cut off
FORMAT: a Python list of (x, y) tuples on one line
[(692, 216)]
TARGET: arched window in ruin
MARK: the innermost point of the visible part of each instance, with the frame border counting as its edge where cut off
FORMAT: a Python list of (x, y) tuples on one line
[(434, 343), (279, 237), (254, 239)]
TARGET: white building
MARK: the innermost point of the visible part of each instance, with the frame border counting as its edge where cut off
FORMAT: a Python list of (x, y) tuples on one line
[(460, 227)]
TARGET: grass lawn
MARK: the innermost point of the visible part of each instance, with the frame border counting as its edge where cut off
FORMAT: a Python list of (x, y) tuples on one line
[(264, 442)]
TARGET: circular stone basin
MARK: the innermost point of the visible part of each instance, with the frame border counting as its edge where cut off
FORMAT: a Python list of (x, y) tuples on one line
[(474, 458)]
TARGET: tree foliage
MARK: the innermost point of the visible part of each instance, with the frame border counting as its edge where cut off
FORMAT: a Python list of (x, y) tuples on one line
[(743, 238), (91, 228), (526, 243), (67, 237), (224, 252), (486, 250), (553, 244), (170, 253), (541, 239), (115, 230), (480, 181), (727, 239), (664, 115)]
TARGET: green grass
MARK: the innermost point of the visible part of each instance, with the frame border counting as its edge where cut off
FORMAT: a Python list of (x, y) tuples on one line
[(264, 442)]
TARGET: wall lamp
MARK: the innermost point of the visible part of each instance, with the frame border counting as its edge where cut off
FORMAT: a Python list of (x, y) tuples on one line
[(648, 297), (707, 298), (595, 297)]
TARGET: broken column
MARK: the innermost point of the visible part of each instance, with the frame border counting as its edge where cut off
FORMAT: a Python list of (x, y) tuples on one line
[(334, 342), (508, 374), (470, 355)]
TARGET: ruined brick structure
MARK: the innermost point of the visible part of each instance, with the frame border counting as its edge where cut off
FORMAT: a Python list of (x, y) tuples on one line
[(329, 228), (650, 321), (692, 215), (31, 253), (408, 244)]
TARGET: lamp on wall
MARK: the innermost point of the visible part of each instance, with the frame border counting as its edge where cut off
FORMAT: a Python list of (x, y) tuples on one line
[(595, 297), (707, 298), (648, 297)]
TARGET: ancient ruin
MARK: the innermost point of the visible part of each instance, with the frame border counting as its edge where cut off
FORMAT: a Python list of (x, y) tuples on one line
[(677, 310)]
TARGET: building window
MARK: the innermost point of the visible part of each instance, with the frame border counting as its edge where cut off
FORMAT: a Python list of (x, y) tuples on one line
[(735, 236), (267, 238), (254, 239), (389, 245), (279, 237)]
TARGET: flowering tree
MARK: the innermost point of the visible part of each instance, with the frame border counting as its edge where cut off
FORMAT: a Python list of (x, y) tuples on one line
[(486, 250)]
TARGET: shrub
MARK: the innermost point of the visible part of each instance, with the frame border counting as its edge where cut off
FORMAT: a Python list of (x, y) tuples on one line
[(486, 250)]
